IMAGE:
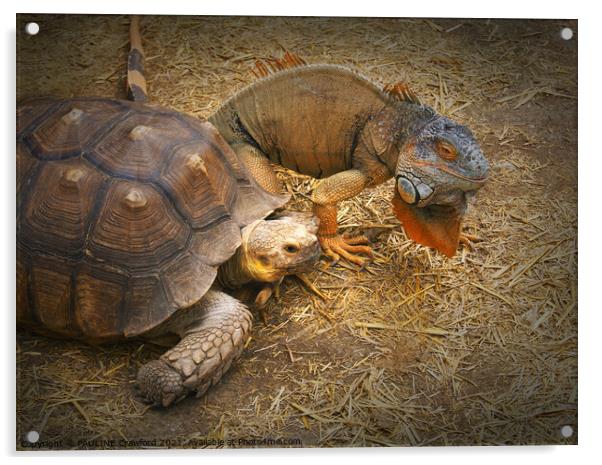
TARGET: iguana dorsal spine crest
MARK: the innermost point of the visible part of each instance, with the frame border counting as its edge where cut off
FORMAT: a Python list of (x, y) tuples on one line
[(272, 65), (402, 92), (266, 67)]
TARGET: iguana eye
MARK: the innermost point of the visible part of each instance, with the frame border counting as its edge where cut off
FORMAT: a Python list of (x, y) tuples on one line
[(446, 150)]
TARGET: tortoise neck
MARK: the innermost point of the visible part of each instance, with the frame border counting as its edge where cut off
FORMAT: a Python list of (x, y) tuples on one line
[(235, 273)]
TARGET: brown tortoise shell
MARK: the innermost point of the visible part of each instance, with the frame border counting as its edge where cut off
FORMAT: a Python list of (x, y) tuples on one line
[(124, 213)]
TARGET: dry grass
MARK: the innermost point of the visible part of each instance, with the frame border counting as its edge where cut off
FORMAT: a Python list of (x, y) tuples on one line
[(416, 349)]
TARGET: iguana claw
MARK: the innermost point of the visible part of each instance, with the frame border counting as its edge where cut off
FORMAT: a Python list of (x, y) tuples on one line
[(468, 240), (346, 247)]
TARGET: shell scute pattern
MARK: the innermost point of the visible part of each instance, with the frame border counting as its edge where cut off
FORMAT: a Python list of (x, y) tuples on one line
[(124, 212)]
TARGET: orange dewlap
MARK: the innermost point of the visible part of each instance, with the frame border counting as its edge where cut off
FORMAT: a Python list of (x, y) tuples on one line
[(436, 226)]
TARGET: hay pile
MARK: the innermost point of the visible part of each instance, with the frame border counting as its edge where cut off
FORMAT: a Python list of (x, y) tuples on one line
[(416, 349)]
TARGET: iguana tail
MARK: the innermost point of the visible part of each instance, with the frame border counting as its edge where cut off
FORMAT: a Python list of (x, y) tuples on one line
[(136, 82)]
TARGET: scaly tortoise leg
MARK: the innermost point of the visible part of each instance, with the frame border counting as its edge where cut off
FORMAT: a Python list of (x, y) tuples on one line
[(213, 333)]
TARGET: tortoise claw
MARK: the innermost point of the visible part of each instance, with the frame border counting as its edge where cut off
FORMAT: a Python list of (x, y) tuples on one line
[(160, 384), (168, 399)]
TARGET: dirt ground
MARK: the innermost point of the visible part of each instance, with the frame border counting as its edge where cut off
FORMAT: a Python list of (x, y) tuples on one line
[(417, 349)]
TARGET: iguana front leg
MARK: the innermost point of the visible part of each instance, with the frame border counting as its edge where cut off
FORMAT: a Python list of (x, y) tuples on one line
[(327, 194), (259, 166)]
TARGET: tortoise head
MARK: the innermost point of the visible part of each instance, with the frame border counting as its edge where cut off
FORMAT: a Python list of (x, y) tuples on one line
[(436, 170), (275, 248)]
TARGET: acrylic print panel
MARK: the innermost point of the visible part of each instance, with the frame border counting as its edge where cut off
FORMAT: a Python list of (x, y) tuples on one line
[(413, 348)]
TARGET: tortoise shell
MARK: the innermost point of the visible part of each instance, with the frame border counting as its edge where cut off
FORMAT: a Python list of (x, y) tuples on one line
[(124, 213)]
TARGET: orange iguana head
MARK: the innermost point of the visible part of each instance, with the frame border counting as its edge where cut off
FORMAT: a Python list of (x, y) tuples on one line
[(436, 169)]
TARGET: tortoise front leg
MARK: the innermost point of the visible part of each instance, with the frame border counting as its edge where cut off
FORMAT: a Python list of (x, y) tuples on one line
[(213, 333)]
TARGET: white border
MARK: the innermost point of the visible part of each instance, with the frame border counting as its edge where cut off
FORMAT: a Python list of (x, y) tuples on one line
[(590, 171)]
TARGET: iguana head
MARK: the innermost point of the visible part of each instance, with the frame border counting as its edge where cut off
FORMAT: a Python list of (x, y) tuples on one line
[(275, 248), (437, 169)]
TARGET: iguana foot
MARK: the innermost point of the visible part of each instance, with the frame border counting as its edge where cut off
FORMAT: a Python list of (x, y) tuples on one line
[(468, 240), (347, 247)]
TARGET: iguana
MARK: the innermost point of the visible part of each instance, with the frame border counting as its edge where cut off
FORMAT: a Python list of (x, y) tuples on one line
[(332, 123)]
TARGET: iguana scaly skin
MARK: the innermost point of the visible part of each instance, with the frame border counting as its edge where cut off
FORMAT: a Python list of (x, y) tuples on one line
[(331, 123)]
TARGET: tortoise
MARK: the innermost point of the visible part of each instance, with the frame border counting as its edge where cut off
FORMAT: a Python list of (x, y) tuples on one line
[(132, 221)]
